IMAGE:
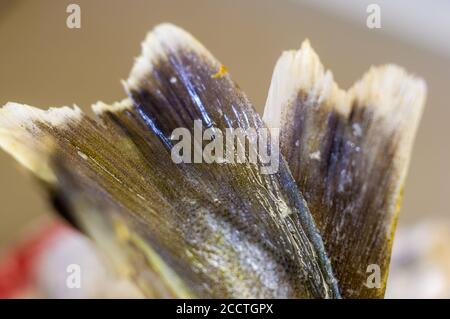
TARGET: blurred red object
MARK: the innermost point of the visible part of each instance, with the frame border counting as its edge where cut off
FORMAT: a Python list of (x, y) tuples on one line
[(17, 264)]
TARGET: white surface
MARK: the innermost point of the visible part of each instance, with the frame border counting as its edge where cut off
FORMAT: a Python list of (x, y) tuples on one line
[(425, 24)]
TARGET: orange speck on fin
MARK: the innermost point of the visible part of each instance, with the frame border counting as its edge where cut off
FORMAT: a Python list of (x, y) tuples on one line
[(222, 71)]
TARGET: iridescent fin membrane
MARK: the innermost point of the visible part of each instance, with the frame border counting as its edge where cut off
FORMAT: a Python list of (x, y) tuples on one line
[(201, 230), (97, 177), (348, 151)]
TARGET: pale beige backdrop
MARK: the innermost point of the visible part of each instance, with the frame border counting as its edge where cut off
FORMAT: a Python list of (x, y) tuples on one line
[(44, 63)]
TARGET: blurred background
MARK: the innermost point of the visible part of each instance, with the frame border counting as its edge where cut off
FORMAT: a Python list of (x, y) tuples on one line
[(44, 63)]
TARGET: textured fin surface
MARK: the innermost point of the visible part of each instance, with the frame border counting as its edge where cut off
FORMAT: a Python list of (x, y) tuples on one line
[(349, 153), (204, 230)]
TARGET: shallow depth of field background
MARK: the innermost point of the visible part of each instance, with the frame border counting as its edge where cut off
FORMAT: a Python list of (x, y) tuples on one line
[(43, 63)]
